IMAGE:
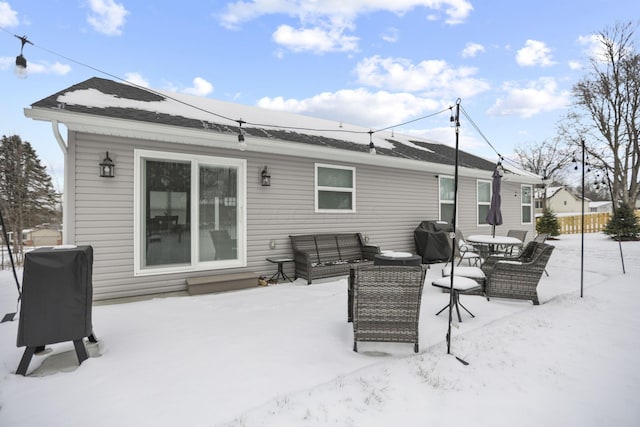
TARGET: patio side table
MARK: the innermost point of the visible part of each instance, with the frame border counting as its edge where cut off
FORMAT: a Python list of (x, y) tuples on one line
[(461, 285), (280, 273)]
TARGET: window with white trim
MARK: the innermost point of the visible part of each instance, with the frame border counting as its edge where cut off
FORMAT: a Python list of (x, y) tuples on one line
[(484, 200), (335, 188), (189, 212), (526, 203), (446, 202)]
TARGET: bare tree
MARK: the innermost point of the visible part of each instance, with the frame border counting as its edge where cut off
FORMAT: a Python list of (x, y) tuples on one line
[(606, 114), (548, 159)]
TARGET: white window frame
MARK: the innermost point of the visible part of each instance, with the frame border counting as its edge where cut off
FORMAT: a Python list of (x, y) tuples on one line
[(523, 204), (440, 200), (138, 212), (318, 188), (479, 203)]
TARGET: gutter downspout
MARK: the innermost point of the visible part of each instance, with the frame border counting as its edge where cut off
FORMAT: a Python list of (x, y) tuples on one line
[(65, 200)]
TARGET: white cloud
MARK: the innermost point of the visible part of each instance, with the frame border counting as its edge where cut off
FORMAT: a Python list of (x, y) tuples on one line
[(200, 87), (247, 10), (390, 35), (596, 47), (575, 65), (7, 62), (534, 53), (323, 23), (431, 78), (358, 106), (137, 79), (317, 40), (472, 49), (37, 67), (536, 97), (107, 16), (8, 16)]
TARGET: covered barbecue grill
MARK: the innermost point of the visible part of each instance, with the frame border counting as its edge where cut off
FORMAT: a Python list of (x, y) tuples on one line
[(432, 241)]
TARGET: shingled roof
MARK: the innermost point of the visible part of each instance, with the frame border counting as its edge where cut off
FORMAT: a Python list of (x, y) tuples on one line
[(131, 102)]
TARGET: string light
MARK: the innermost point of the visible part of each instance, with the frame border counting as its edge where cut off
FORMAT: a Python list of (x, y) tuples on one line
[(241, 141), (21, 61), (241, 133), (372, 148)]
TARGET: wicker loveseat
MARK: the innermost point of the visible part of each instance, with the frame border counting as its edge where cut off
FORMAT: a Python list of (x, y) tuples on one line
[(328, 255), (517, 277)]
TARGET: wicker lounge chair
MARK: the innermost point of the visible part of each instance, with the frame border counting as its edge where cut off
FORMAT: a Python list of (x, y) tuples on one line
[(386, 304), (517, 277)]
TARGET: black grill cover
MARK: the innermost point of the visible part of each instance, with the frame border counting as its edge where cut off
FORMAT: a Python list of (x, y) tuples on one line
[(432, 241), (57, 292)]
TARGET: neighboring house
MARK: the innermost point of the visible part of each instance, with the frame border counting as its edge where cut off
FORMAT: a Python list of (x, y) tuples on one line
[(560, 200), (187, 198), (603, 206), (42, 236)]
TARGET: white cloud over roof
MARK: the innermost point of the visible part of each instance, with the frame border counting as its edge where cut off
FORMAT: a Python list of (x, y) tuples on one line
[(107, 16), (534, 53), (323, 25), (8, 16), (533, 98)]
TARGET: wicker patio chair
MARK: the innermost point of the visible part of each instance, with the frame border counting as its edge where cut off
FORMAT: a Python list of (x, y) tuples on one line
[(541, 238), (517, 277), (386, 304)]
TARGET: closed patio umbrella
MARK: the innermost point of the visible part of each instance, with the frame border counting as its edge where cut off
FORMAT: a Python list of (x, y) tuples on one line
[(494, 217)]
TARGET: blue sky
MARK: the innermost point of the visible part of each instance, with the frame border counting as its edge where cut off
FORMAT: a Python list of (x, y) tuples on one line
[(374, 63)]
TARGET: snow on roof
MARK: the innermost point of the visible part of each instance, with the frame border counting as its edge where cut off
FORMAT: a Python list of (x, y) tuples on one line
[(104, 97)]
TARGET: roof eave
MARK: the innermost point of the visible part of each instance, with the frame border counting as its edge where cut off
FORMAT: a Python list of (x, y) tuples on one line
[(98, 124)]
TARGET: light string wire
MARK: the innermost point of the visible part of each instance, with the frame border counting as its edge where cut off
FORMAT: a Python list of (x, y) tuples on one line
[(83, 64), (475, 126), (265, 125)]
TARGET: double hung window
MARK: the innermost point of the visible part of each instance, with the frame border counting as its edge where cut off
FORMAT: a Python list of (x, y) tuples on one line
[(484, 201), (526, 203), (335, 188), (447, 198)]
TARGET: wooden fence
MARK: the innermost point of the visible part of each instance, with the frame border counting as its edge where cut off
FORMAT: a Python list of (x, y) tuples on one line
[(593, 222)]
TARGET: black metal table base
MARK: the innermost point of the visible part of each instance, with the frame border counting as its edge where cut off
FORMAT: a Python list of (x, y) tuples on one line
[(280, 273), (456, 304)]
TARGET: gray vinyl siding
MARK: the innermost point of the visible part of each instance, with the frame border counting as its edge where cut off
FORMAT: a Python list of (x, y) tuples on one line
[(390, 203)]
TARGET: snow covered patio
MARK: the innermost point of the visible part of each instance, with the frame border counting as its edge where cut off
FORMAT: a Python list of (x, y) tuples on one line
[(282, 356)]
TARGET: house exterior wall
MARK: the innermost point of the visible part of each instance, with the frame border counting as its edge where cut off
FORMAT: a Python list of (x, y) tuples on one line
[(390, 203)]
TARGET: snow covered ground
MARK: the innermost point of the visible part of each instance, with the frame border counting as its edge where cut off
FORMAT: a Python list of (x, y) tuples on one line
[(282, 356)]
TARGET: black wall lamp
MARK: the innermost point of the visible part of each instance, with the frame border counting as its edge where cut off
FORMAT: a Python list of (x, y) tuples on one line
[(107, 167), (265, 178)]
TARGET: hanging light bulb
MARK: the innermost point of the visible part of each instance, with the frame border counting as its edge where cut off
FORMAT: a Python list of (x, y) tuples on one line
[(241, 141), (21, 61), (372, 147)]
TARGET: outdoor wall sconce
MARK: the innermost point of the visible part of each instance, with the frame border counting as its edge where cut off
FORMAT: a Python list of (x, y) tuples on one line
[(265, 178), (107, 167), (21, 61)]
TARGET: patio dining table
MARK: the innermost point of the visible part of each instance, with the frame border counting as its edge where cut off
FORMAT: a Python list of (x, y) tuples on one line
[(486, 244)]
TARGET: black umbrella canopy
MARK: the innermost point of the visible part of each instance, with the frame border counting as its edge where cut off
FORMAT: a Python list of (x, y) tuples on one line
[(494, 217)]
